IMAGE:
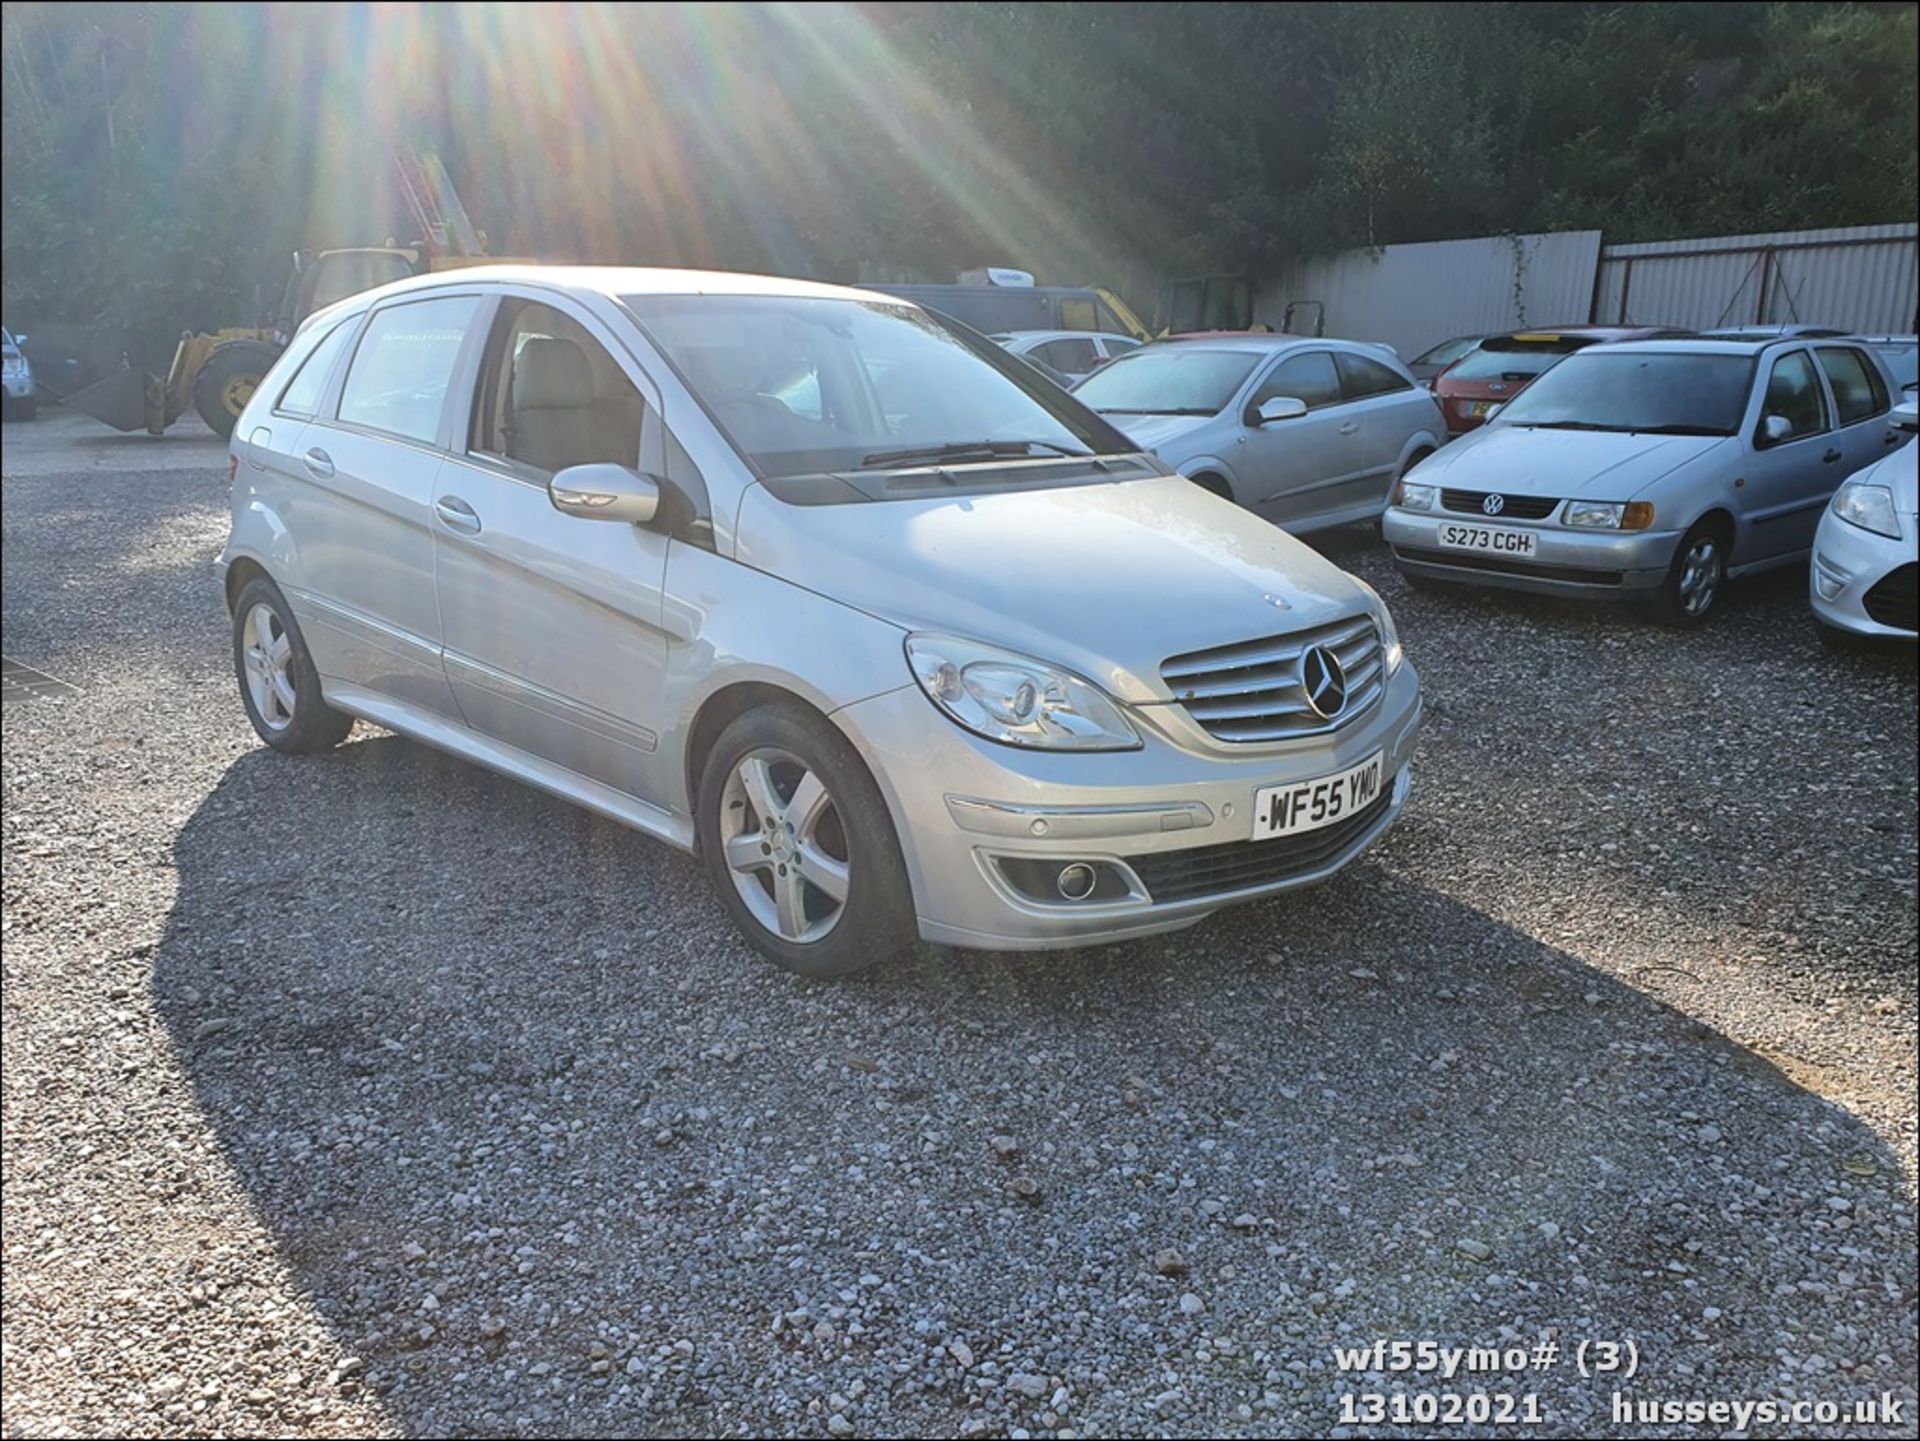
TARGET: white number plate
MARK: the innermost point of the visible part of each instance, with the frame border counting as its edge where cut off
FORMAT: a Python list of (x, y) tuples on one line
[(1491, 539), (1289, 810)]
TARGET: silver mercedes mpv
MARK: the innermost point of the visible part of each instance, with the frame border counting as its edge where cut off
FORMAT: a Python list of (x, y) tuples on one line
[(905, 642)]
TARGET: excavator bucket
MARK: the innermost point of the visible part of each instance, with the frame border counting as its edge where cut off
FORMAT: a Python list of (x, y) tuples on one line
[(126, 400)]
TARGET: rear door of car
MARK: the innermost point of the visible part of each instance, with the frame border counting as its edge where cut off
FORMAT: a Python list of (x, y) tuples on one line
[(365, 465), (1300, 468), (553, 627), (1861, 401)]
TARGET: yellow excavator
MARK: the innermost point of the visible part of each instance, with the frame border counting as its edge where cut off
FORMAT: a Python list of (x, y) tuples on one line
[(215, 372)]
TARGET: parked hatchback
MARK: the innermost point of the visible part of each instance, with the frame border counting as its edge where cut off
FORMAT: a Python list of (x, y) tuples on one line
[(1307, 433), (1485, 379), (1071, 354), (903, 640), (1649, 470), (1865, 576)]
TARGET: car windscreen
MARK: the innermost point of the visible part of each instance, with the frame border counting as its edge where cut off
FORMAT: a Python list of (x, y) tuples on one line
[(1168, 380), (1637, 390), (803, 385), (1500, 359)]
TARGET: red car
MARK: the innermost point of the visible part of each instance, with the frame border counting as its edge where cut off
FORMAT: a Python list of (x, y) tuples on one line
[(1503, 365)]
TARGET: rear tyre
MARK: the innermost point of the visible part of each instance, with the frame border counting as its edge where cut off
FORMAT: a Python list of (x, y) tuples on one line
[(1695, 578), (798, 842), (278, 683), (23, 409), (227, 381)]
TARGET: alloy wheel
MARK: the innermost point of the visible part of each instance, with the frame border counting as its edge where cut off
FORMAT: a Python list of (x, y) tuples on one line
[(1700, 575), (784, 846), (269, 666)]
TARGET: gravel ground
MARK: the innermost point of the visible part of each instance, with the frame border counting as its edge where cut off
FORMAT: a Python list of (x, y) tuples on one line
[(372, 1094)]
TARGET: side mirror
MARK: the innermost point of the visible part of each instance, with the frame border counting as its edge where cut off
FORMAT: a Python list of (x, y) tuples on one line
[(604, 491), (1277, 407), (1906, 415), (1775, 428)]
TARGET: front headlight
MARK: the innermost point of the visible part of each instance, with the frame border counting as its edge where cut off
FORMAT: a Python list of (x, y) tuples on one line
[(1608, 514), (1016, 700), (1389, 632), (1868, 506), (1415, 497)]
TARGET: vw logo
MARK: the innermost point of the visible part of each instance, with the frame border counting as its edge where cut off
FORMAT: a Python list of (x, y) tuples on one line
[(1323, 681), (1494, 504)]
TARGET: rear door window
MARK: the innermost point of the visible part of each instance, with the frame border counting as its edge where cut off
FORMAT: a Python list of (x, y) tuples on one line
[(1309, 378), (1858, 392), (397, 383), (1075, 357), (1361, 377)]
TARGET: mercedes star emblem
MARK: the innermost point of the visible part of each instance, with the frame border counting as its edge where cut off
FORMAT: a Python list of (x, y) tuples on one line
[(1323, 681)]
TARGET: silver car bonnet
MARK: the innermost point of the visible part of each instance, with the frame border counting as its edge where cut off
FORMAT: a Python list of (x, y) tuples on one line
[(1106, 579), (1575, 464), (1152, 432)]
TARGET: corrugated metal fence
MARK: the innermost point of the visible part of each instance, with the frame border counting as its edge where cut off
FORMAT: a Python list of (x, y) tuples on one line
[(1860, 278), (1415, 296), (1411, 297)]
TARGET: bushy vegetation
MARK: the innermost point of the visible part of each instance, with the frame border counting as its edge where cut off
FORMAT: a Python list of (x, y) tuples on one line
[(162, 160)]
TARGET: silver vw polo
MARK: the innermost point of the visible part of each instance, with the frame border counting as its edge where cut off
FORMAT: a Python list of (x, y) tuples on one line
[(1648, 470), (903, 640)]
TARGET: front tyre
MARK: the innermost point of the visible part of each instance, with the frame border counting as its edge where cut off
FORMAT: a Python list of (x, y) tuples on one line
[(1695, 578), (800, 847), (278, 683)]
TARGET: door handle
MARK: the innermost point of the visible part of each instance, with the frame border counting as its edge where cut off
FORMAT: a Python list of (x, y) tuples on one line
[(319, 464), (1831, 456), (1894, 437), (1350, 427), (456, 514)]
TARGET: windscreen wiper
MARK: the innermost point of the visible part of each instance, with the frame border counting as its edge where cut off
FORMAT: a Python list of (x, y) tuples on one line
[(1680, 430), (961, 450)]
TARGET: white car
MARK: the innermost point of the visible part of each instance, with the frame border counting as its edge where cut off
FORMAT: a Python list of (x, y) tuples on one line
[(1866, 553), (1072, 354)]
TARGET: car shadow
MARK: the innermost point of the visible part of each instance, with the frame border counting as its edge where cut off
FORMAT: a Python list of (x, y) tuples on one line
[(550, 1150)]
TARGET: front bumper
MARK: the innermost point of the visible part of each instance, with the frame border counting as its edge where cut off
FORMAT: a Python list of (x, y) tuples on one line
[(1848, 563), (19, 387), (963, 807), (1592, 564)]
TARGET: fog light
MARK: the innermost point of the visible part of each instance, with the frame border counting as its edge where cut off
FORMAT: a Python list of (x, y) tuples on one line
[(1828, 580), (1076, 881)]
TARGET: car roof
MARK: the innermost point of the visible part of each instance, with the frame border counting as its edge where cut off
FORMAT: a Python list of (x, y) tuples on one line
[(1260, 342), (1885, 340), (616, 280), (1005, 335), (1782, 332), (1697, 345), (1595, 333)]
